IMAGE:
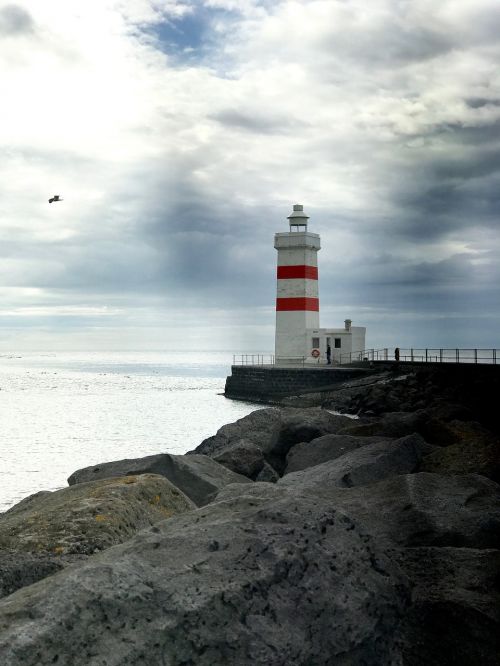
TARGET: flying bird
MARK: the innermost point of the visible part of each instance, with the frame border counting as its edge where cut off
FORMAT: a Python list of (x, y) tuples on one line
[(56, 197)]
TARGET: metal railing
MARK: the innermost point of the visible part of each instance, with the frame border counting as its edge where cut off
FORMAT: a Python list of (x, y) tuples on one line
[(290, 360), (268, 359), (253, 359), (413, 355)]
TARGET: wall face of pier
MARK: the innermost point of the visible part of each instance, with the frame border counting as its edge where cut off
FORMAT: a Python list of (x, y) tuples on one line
[(263, 383), (256, 383)]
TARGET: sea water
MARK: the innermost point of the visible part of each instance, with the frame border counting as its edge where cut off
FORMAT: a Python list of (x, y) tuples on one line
[(63, 411)]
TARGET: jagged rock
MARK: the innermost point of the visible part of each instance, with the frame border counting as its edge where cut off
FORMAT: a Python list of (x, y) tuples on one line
[(431, 526), (364, 465), (274, 432), (268, 474), (197, 476), (476, 451), (20, 569), (303, 425), (426, 509), (243, 457), (392, 424), (220, 585), (322, 449), (399, 424), (89, 517), (407, 510), (454, 617), (447, 411), (261, 427), (257, 492)]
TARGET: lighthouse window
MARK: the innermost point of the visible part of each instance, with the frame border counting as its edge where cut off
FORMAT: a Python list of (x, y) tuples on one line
[(315, 343), (338, 343)]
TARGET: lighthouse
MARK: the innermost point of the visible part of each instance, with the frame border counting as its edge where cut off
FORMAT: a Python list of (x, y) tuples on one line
[(297, 300), (299, 338)]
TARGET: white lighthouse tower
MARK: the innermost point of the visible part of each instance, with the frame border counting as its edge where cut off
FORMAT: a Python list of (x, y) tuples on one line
[(297, 302), (299, 339)]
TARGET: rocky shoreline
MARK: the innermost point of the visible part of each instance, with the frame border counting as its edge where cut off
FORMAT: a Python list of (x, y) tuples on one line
[(358, 526)]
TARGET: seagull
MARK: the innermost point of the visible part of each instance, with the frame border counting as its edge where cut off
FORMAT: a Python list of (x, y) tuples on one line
[(56, 197)]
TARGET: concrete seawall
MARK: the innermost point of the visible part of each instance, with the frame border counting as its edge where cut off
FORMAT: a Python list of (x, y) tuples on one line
[(265, 383), (260, 383)]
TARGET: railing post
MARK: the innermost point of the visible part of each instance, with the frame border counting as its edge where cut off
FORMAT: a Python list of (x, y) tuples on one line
[(457, 356), (440, 355), (475, 355), (494, 357), (411, 353), (426, 355)]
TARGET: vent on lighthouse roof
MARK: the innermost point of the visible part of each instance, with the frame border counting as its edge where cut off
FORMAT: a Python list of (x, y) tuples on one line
[(298, 218)]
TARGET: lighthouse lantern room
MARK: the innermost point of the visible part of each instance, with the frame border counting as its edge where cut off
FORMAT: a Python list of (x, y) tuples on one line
[(298, 334)]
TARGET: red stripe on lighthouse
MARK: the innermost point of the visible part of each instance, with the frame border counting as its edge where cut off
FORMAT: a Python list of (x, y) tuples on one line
[(299, 271), (298, 303)]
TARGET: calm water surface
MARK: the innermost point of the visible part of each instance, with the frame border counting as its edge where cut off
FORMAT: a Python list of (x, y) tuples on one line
[(60, 412)]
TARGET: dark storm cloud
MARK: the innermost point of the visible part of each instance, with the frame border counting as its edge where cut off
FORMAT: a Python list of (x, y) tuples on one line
[(456, 270), (471, 134), (392, 45), (205, 245), (468, 165), (481, 102), (15, 21), (185, 244), (257, 122), (448, 197)]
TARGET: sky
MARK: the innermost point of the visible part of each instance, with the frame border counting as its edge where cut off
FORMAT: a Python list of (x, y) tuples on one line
[(180, 134)]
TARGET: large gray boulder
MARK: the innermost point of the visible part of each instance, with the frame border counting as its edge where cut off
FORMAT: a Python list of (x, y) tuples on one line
[(322, 449), (364, 465), (245, 581), (273, 432), (454, 616), (474, 450), (424, 422), (410, 510), (391, 424), (444, 532), (427, 510), (18, 569), (89, 517), (197, 476), (261, 428), (243, 457)]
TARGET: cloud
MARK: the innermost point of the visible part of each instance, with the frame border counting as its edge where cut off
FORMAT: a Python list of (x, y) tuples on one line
[(15, 21), (179, 134)]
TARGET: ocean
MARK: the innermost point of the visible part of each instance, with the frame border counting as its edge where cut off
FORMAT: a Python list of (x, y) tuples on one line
[(63, 411)]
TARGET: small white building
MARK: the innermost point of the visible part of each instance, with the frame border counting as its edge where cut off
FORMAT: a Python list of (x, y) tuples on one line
[(298, 334)]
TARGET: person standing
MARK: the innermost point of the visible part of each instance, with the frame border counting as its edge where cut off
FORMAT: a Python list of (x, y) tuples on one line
[(328, 355), (396, 354)]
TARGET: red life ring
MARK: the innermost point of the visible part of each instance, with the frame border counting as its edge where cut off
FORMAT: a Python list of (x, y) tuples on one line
[(315, 353)]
